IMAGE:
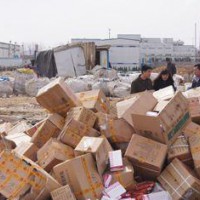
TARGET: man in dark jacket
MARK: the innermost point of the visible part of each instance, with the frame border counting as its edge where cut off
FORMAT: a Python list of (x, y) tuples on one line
[(143, 82), (196, 78), (171, 66)]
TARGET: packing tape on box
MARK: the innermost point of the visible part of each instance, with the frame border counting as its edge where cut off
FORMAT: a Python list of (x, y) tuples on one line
[(93, 186), (195, 149), (112, 130), (118, 176), (19, 165), (185, 181)]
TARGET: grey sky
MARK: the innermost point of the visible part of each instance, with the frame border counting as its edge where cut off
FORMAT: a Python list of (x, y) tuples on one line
[(55, 22)]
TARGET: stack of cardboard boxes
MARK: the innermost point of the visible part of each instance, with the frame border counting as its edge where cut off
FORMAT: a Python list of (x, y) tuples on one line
[(81, 151)]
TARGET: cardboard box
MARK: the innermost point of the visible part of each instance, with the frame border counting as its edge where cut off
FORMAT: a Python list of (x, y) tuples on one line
[(50, 128), (18, 128), (94, 100), (191, 129), (124, 177), (83, 115), (6, 144), (17, 138), (126, 108), (194, 107), (28, 150), (5, 127), (167, 125), (98, 148), (147, 156), (81, 174), (74, 130), (179, 181), (57, 97), (180, 149), (34, 128), (20, 176), (53, 153), (63, 193), (115, 130), (194, 142)]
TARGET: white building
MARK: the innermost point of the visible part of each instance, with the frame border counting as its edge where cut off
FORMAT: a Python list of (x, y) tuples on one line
[(131, 50), (9, 55)]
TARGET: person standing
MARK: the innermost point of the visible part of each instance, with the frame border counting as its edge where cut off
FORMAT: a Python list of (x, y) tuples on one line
[(196, 78), (171, 66), (143, 82)]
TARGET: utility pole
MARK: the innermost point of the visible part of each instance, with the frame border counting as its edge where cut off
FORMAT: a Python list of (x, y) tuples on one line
[(109, 32), (195, 45)]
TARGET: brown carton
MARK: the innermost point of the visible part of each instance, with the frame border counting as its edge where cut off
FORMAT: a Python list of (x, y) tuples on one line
[(34, 128), (115, 130), (165, 126), (53, 153), (147, 156), (94, 100), (194, 142), (81, 174), (124, 177), (191, 129), (96, 146), (28, 150), (180, 149), (180, 182), (83, 115), (51, 127), (20, 177), (57, 97), (63, 193), (74, 130), (194, 108), (127, 107), (5, 127), (18, 128)]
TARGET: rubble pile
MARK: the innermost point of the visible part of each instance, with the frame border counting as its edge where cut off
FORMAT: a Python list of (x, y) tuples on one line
[(145, 146)]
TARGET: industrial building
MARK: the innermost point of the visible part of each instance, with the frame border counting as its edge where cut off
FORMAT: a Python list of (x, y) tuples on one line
[(131, 50)]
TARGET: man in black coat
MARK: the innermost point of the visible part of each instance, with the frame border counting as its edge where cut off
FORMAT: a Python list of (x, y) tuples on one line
[(143, 82)]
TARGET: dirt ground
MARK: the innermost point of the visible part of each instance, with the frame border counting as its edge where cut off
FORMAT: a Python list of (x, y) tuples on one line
[(17, 108)]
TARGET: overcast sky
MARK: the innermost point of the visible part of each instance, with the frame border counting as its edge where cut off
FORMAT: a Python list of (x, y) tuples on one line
[(55, 22)]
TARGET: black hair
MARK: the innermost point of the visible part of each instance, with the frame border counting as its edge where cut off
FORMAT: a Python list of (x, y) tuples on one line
[(197, 66), (164, 72), (168, 59), (144, 68)]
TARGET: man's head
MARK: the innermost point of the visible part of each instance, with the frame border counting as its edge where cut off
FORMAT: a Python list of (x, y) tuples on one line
[(146, 71), (197, 70), (168, 60)]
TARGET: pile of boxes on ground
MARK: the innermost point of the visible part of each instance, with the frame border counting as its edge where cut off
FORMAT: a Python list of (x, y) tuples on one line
[(91, 147)]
